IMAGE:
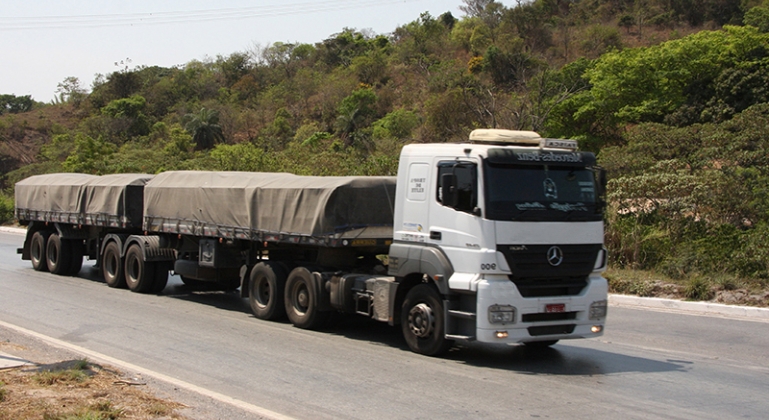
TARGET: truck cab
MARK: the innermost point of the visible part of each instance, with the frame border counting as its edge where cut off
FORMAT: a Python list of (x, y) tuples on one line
[(502, 237)]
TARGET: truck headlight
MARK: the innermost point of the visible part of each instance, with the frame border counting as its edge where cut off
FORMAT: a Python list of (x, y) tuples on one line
[(501, 314), (598, 309)]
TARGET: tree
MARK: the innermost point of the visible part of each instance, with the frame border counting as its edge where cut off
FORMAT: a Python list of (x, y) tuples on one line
[(678, 82), (398, 124), (204, 128), (15, 104), (234, 67), (90, 155), (128, 115), (758, 17), (70, 90), (355, 112)]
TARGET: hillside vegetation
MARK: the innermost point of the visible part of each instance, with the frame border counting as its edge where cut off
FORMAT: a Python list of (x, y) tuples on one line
[(672, 95)]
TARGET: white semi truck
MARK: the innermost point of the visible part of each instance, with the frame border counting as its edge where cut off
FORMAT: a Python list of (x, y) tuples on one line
[(498, 239)]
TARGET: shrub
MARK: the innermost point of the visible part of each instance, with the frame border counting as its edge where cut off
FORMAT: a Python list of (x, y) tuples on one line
[(699, 288), (6, 209)]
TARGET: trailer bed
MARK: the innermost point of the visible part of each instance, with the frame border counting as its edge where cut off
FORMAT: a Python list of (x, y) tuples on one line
[(109, 200), (271, 207)]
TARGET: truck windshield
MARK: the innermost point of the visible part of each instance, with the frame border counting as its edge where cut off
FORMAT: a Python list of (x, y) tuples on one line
[(540, 192)]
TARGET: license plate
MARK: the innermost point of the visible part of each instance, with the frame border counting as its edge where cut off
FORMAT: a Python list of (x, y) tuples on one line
[(555, 307)]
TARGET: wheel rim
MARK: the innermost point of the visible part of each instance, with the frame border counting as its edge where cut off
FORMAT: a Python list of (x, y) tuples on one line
[(133, 269), (300, 298), (111, 265), (421, 320), (37, 251), (262, 292), (53, 253)]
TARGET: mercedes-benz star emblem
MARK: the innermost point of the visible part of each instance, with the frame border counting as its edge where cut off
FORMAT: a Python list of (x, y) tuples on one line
[(554, 256)]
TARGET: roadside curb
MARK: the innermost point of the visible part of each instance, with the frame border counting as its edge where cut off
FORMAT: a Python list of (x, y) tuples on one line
[(13, 230), (705, 308)]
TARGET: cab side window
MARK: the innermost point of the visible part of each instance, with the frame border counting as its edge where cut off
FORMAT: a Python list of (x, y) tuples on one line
[(458, 185)]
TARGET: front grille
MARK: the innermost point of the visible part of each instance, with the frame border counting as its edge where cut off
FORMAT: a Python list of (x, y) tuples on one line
[(551, 330), (531, 261), (536, 276), (553, 316)]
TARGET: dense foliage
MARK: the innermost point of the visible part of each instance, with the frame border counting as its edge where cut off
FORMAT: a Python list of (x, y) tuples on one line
[(692, 199), (672, 95)]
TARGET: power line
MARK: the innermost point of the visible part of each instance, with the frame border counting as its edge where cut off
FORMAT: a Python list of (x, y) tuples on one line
[(176, 17)]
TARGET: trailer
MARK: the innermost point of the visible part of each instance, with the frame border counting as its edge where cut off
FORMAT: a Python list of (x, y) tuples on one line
[(498, 239)]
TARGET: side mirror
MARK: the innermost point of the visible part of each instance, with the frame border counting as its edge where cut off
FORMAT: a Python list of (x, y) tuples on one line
[(449, 195), (602, 182)]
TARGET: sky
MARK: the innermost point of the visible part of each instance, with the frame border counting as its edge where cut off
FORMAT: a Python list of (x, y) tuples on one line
[(42, 42)]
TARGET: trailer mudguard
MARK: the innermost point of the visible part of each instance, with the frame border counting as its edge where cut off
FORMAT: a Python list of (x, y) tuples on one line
[(150, 246)]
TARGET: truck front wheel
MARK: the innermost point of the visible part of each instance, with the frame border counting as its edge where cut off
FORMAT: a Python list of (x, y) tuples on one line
[(422, 321), (139, 274), (301, 300), (37, 247), (266, 289)]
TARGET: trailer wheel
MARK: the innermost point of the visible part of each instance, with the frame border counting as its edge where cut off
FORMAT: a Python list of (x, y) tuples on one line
[(422, 321), (58, 256), (76, 257), (139, 274), (266, 290), (112, 266), (37, 247), (301, 300), (161, 277)]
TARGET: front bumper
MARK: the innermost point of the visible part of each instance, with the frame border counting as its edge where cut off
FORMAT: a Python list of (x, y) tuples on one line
[(539, 318)]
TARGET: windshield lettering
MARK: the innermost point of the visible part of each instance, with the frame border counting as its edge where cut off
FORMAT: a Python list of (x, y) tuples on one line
[(530, 206), (568, 206), (549, 157)]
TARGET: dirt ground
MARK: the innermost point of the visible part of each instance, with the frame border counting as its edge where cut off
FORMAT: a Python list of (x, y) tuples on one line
[(77, 389), (101, 392)]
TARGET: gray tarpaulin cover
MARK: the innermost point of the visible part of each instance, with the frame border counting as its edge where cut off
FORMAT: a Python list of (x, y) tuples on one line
[(52, 192), (269, 202), (117, 196)]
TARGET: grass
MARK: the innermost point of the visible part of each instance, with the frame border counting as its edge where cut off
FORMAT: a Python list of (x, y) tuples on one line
[(79, 372), (76, 390), (697, 287)]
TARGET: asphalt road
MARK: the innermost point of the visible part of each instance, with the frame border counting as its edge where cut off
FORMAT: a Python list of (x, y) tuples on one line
[(648, 364)]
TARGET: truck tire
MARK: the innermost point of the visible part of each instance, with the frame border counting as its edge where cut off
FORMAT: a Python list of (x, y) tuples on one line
[(37, 247), (422, 321), (112, 266), (161, 277), (301, 300), (266, 291), (58, 256), (77, 252), (139, 274)]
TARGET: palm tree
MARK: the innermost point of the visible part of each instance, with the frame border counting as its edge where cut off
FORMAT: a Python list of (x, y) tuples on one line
[(204, 127)]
